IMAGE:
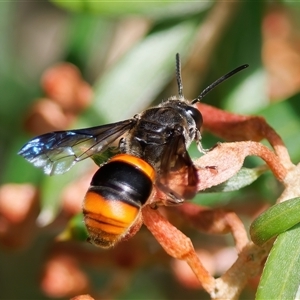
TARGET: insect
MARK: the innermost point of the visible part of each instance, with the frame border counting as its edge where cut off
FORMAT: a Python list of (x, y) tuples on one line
[(152, 147)]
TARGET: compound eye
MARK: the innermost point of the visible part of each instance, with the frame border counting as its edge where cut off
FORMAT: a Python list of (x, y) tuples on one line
[(196, 115)]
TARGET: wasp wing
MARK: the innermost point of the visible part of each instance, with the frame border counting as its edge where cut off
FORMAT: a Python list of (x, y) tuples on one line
[(58, 151), (178, 174)]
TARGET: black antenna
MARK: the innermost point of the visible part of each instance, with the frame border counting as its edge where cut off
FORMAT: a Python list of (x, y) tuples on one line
[(217, 82), (178, 77)]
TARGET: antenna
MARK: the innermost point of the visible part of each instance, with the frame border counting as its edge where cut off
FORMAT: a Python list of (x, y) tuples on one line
[(217, 82), (178, 77)]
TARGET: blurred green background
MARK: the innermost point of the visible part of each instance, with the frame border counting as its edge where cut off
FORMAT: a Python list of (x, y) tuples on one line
[(126, 51)]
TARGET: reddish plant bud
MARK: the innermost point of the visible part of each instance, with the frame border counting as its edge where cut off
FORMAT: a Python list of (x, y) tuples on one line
[(45, 116), (83, 297), (60, 83), (62, 277), (64, 85), (280, 53), (84, 97), (19, 209)]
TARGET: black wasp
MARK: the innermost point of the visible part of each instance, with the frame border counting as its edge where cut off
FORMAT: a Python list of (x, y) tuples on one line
[(152, 148)]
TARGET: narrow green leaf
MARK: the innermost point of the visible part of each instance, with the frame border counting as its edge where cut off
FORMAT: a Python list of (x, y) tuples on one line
[(275, 220), (134, 82), (215, 199), (75, 230), (102, 157), (154, 9), (244, 177), (250, 95), (281, 275)]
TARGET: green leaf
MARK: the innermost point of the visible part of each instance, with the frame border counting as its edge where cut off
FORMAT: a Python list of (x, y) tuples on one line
[(154, 9), (134, 82), (242, 178), (250, 95), (277, 219), (102, 157), (216, 195), (214, 199), (245, 51), (281, 274), (75, 230)]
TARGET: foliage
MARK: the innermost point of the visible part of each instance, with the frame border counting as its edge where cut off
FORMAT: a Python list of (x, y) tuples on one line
[(126, 51)]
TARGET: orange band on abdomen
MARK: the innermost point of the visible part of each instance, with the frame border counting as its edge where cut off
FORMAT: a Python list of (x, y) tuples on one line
[(111, 216)]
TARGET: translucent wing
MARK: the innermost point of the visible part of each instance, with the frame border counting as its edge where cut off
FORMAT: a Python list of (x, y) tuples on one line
[(58, 151), (178, 174)]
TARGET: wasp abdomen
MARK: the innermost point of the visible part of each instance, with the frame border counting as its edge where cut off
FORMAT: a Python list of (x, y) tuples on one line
[(113, 202)]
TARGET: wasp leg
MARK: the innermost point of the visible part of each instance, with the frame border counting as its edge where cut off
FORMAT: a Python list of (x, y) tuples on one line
[(169, 198), (198, 139)]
